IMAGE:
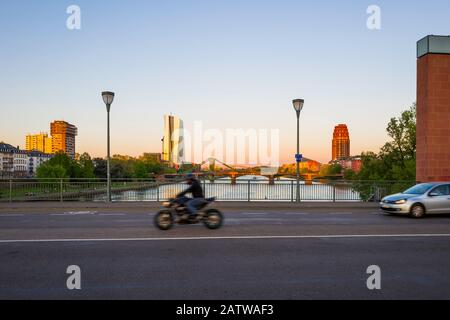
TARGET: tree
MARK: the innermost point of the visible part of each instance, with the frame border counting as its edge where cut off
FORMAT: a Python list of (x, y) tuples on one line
[(48, 171), (330, 170), (60, 160), (87, 166), (395, 162), (99, 168), (397, 158), (140, 170), (402, 130)]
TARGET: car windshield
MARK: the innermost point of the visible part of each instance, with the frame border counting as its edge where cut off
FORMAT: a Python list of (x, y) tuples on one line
[(419, 189)]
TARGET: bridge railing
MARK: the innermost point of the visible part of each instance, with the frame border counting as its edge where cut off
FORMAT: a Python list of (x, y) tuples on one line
[(259, 189)]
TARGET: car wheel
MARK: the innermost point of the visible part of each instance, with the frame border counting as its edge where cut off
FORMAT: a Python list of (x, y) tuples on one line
[(417, 211)]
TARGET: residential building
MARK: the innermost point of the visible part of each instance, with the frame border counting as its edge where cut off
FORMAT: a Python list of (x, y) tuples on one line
[(16, 163), (35, 159), (353, 163), (63, 137), (6, 160), (39, 142)]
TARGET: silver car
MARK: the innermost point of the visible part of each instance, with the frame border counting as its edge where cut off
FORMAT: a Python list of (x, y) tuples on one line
[(419, 200)]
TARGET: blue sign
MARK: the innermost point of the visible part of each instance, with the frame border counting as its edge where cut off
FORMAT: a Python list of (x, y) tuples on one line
[(298, 157)]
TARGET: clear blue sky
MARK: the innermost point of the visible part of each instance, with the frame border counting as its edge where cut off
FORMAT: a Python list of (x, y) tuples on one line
[(231, 64)]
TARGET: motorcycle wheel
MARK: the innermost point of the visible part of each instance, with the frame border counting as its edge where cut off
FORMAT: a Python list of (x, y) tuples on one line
[(163, 220), (213, 219)]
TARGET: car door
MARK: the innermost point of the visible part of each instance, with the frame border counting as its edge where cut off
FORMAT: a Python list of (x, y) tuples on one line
[(439, 199), (447, 204)]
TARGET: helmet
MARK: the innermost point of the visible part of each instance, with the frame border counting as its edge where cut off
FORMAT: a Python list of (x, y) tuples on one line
[(190, 176)]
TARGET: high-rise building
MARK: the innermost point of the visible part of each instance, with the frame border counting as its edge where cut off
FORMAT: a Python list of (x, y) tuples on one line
[(63, 137), (173, 142), (38, 142), (341, 143)]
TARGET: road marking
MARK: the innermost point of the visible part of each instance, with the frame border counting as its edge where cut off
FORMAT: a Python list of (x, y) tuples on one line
[(254, 213), (12, 215), (81, 212), (296, 213), (74, 213), (340, 213), (336, 236), (111, 214)]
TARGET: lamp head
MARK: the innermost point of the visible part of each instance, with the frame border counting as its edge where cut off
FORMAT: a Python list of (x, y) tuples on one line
[(108, 97), (298, 104)]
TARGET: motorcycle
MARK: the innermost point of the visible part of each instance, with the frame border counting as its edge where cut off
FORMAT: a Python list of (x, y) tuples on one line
[(176, 213)]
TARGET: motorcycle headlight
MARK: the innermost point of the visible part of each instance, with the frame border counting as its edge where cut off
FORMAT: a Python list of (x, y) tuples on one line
[(402, 201), (166, 204)]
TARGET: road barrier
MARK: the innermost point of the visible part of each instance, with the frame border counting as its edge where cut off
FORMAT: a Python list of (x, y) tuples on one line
[(258, 189)]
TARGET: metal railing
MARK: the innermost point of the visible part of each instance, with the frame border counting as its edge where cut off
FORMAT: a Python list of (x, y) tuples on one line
[(19, 190)]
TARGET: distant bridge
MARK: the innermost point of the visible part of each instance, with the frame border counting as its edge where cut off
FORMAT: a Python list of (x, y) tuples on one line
[(235, 173)]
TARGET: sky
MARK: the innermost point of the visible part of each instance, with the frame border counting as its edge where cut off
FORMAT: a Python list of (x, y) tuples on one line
[(229, 64)]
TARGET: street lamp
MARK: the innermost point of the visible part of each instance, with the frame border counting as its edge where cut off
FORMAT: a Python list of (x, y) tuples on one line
[(108, 98), (298, 106)]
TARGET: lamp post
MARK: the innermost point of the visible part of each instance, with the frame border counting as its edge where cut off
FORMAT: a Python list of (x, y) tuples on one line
[(298, 106), (108, 98)]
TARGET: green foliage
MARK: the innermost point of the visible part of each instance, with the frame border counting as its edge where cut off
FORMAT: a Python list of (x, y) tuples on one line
[(396, 160), (47, 170), (87, 166), (125, 167), (327, 170), (100, 168), (60, 166), (349, 174)]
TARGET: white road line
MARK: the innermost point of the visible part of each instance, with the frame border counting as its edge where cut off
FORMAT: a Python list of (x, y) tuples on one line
[(336, 236), (111, 214), (81, 212), (296, 213), (340, 213), (254, 213), (75, 213)]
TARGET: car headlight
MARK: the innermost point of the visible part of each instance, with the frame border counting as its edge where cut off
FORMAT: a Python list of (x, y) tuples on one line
[(402, 201)]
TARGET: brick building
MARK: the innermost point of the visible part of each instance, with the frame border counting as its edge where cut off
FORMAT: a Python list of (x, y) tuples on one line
[(433, 109)]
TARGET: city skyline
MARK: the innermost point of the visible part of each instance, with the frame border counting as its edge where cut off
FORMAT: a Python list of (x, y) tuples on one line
[(224, 64)]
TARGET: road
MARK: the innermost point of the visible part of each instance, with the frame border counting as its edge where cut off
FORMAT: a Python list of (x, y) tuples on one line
[(286, 254)]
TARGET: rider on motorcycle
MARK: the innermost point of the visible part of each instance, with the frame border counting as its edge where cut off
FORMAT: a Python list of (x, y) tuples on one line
[(198, 197)]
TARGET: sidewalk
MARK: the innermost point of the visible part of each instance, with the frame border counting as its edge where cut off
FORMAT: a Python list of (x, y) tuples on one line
[(145, 206)]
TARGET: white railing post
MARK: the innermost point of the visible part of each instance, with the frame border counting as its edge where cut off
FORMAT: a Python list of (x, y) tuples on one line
[(157, 191), (61, 190)]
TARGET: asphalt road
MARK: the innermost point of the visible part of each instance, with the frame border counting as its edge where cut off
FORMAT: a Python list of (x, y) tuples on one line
[(289, 254)]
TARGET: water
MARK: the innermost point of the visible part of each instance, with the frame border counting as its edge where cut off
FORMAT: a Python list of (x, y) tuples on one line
[(248, 188)]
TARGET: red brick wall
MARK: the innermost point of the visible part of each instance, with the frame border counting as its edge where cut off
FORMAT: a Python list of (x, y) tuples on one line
[(433, 118)]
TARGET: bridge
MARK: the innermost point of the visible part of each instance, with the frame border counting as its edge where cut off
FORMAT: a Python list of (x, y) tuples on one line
[(234, 173)]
